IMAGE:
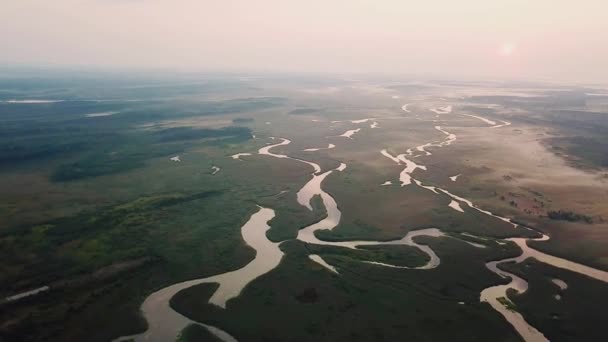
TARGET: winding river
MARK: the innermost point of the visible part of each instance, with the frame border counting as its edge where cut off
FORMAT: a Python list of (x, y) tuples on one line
[(495, 294), (492, 295), (165, 324), (329, 146), (266, 151), (490, 122)]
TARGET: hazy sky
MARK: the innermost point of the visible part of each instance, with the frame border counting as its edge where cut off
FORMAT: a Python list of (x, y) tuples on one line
[(560, 39)]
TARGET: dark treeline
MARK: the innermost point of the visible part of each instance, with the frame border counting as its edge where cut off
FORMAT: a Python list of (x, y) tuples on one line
[(113, 140), (571, 216)]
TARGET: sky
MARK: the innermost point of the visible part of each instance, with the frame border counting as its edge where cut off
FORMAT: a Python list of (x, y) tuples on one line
[(540, 39)]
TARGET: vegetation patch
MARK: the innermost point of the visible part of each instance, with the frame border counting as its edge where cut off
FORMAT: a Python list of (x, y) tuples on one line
[(302, 111), (242, 120), (567, 215), (309, 295), (573, 317), (197, 333), (507, 303)]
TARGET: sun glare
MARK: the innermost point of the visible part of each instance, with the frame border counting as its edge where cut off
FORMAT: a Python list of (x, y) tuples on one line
[(507, 49)]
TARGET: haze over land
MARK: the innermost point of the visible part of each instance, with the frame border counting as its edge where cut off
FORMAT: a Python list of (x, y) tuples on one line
[(548, 39)]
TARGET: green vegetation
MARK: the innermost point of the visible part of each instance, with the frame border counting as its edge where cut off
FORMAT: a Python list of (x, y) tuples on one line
[(507, 303), (101, 263), (197, 333), (63, 248), (118, 151), (300, 111), (574, 317), (94, 146), (577, 135), (301, 301), (242, 120), (567, 215), (95, 210), (394, 255), (582, 151), (291, 216), (358, 230), (107, 262), (112, 160), (187, 133), (124, 153)]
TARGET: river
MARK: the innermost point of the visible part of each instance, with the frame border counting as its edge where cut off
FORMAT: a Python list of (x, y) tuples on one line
[(164, 324)]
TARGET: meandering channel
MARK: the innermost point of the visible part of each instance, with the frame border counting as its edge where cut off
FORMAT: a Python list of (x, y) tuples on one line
[(496, 295), (329, 147), (307, 234), (266, 151), (165, 324)]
